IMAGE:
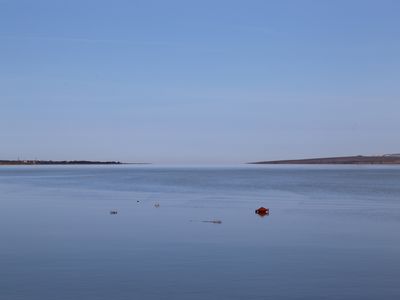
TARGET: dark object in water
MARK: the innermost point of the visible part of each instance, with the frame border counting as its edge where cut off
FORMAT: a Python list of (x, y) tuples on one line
[(262, 211), (113, 212), (157, 205), (208, 221), (213, 221)]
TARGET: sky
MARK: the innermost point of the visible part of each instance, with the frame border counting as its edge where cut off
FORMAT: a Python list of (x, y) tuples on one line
[(210, 81)]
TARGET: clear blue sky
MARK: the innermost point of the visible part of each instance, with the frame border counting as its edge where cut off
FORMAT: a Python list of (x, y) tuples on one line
[(198, 81)]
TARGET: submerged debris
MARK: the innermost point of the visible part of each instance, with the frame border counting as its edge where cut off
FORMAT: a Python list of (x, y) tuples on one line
[(213, 221), (208, 221), (262, 211)]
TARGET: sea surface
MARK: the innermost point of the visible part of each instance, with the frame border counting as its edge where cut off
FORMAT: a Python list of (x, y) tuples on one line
[(333, 232)]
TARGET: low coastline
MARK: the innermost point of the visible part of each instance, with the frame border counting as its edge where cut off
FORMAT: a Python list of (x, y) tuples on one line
[(54, 162), (346, 160)]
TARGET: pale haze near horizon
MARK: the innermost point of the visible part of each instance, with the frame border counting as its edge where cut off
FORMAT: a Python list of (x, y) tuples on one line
[(198, 81)]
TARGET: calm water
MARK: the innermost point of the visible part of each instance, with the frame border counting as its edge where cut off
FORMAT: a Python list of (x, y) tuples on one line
[(333, 232)]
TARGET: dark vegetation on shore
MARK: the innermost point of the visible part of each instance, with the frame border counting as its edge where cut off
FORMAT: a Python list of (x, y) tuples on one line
[(55, 162), (350, 160)]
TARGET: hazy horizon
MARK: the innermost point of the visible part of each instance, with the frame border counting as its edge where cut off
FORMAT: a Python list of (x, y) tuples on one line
[(193, 163), (198, 82)]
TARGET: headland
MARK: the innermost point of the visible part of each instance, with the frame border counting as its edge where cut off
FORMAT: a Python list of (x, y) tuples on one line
[(388, 159)]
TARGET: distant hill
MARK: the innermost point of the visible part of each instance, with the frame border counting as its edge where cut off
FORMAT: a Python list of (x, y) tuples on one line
[(350, 160)]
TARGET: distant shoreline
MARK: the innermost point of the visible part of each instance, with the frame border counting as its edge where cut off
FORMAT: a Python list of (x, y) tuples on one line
[(58, 162), (344, 160)]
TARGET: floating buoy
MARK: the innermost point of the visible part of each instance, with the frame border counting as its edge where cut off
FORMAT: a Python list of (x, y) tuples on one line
[(262, 211)]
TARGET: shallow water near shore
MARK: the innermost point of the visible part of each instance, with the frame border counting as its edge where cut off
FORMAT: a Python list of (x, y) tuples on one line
[(333, 232)]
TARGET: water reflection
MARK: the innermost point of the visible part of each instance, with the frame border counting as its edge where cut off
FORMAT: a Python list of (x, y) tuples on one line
[(57, 243)]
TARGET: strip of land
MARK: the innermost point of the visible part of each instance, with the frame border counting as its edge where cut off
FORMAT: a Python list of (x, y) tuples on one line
[(59, 162), (348, 160)]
